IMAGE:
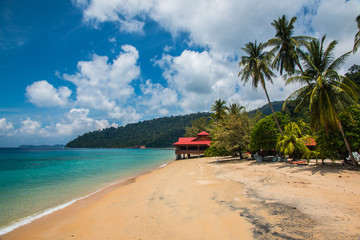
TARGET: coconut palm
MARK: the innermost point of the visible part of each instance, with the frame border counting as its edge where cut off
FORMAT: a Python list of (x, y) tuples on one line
[(236, 109), (357, 36), (292, 142), (219, 107), (286, 45), (256, 65), (328, 92)]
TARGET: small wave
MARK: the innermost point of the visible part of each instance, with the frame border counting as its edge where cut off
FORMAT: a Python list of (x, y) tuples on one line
[(163, 165), (29, 219)]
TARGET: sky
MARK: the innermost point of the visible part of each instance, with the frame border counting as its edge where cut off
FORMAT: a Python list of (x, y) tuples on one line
[(73, 66)]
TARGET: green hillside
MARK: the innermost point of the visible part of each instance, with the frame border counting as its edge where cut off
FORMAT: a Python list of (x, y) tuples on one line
[(266, 110), (156, 133)]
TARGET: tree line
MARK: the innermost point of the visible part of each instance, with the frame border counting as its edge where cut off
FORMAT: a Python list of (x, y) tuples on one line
[(155, 133)]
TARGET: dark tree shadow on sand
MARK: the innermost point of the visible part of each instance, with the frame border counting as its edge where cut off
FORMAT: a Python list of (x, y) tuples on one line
[(321, 168), (226, 160)]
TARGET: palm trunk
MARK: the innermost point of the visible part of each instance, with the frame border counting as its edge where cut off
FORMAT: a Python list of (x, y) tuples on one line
[(272, 109), (347, 144)]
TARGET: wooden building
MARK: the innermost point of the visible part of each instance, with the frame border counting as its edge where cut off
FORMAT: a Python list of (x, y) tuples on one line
[(186, 146)]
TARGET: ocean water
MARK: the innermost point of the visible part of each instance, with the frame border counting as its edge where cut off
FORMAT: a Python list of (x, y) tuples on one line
[(34, 183)]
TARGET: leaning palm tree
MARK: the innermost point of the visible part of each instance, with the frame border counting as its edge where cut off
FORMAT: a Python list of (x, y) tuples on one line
[(357, 36), (328, 93), (219, 107), (286, 45), (256, 65)]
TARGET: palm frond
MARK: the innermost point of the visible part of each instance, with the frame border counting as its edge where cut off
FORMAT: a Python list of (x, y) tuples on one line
[(297, 79), (337, 63)]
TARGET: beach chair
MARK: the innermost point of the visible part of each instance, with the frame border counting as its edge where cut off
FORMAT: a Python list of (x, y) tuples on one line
[(258, 158)]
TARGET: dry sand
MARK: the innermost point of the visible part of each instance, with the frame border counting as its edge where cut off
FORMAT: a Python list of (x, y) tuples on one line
[(200, 199)]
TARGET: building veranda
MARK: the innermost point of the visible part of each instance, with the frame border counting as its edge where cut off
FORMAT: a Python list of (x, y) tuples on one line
[(187, 146)]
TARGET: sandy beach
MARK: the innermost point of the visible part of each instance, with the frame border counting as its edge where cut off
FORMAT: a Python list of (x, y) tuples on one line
[(201, 199)]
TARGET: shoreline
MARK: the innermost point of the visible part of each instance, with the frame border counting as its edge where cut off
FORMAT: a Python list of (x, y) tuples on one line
[(101, 191), (200, 199)]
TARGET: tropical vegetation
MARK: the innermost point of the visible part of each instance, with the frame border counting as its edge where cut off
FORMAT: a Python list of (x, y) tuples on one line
[(264, 134), (219, 109), (160, 132), (327, 93), (256, 65), (232, 133), (293, 142), (286, 45), (326, 100)]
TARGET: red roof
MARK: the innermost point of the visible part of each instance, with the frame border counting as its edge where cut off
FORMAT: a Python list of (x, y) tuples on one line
[(191, 141), (203, 133), (184, 141)]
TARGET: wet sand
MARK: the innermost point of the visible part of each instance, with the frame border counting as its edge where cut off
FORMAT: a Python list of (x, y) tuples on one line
[(201, 199)]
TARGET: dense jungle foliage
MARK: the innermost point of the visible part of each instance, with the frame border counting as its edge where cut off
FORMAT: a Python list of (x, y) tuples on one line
[(155, 133)]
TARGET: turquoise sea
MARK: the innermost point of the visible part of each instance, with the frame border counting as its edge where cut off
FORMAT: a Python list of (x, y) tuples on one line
[(34, 183)]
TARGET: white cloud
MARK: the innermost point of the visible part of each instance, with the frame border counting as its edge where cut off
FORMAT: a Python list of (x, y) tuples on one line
[(30, 127), (112, 40), (97, 12), (126, 115), (43, 94), (105, 85), (229, 24), (6, 128), (224, 25), (78, 122), (80, 3), (199, 78), (336, 19), (157, 98)]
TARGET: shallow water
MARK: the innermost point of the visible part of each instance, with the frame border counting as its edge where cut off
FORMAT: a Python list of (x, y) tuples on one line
[(34, 181)]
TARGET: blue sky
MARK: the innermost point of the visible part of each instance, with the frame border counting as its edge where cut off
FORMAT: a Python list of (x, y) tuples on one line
[(73, 66)]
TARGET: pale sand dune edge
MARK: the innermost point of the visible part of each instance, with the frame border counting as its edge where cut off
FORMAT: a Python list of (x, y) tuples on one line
[(200, 199)]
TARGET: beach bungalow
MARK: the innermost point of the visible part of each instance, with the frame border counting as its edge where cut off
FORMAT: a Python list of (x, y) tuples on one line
[(192, 145)]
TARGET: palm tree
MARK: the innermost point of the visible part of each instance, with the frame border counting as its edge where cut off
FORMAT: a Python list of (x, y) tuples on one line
[(328, 92), (292, 142), (286, 45), (236, 109), (257, 66), (219, 107), (357, 36)]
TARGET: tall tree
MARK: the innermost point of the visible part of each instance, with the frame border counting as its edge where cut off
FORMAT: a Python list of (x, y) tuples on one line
[(236, 109), (286, 45), (264, 134), (357, 36), (219, 107), (232, 134), (256, 65), (198, 125), (328, 92)]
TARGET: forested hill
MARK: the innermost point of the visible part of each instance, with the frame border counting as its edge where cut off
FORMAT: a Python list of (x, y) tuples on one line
[(160, 132), (156, 133), (266, 110)]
